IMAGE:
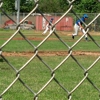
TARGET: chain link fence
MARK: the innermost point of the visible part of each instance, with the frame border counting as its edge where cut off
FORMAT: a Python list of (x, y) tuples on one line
[(94, 19)]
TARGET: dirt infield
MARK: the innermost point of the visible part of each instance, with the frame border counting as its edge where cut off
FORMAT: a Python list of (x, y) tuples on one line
[(50, 53)]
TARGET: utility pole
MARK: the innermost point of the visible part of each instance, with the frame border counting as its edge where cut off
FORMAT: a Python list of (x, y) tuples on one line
[(17, 7)]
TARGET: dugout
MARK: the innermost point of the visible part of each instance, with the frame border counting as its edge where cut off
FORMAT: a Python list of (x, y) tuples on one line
[(66, 24)]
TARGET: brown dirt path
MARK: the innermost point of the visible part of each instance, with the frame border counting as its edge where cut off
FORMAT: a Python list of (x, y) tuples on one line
[(50, 53)]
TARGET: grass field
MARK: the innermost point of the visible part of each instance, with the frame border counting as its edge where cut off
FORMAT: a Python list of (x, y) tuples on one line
[(36, 74)]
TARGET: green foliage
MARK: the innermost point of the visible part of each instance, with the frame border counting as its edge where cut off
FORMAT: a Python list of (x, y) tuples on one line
[(26, 6), (50, 6), (54, 6), (88, 6), (8, 5)]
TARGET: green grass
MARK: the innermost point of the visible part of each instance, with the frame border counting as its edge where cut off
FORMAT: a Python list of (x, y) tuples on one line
[(52, 44), (36, 74), (22, 45)]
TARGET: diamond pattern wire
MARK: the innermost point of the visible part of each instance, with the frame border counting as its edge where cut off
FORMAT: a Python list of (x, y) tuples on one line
[(35, 54)]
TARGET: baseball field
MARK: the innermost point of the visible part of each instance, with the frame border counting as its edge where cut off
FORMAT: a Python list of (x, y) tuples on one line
[(45, 75)]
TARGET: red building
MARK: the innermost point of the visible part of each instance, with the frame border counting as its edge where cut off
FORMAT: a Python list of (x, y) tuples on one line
[(66, 24)]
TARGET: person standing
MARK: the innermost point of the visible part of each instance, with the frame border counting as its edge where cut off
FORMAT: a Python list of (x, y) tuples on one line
[(48, 26), (78, 25)]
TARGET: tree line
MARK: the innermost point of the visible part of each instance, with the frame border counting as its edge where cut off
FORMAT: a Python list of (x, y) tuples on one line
[(54, 6)]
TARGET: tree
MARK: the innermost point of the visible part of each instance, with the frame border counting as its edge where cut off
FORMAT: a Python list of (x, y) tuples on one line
[(49, 6), (25, 5), (8, 5), (54, 6), (88, 6)]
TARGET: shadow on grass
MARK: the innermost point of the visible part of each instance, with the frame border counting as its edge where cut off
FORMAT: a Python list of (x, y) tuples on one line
[(1, 60)]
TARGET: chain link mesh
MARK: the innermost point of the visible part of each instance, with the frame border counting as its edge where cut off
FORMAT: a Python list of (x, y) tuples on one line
[(36, 50)]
